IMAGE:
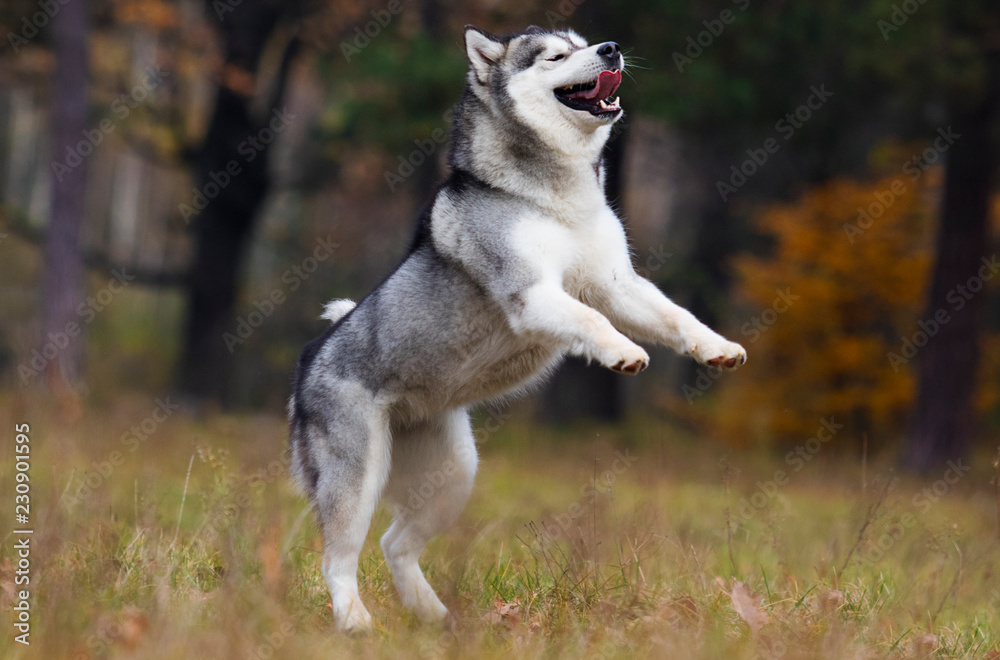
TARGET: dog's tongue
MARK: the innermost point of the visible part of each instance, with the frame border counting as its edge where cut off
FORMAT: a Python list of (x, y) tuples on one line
[(606, 85)]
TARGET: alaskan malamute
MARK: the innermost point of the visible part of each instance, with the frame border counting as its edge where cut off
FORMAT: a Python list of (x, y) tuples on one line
[(517, 261)]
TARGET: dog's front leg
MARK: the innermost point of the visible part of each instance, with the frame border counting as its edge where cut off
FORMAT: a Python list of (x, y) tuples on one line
[(639, 309), (546, 309)]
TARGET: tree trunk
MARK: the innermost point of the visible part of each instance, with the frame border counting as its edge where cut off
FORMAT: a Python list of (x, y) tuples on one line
[(224, 226), (64, 273), (943, 421)]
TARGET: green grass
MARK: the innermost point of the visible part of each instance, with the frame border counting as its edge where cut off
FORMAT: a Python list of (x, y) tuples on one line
[(648, 566)]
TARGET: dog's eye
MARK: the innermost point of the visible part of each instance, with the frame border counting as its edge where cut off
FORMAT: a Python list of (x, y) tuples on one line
[(556, 58)]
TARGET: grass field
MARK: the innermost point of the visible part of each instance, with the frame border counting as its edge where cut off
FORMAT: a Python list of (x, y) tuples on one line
[(595, 542)]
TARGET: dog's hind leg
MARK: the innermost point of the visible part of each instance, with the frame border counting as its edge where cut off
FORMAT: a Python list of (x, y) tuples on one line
[(434, 465), (351, 459)]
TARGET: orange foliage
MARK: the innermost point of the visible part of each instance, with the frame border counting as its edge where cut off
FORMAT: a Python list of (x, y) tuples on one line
[(156, 14), (861, 286)]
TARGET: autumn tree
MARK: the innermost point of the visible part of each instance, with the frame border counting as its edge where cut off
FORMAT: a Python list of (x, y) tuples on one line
[(832, 312), (826, 310)]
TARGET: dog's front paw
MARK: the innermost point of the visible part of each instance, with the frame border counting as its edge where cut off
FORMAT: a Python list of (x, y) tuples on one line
[(631, 360), (719, 353)]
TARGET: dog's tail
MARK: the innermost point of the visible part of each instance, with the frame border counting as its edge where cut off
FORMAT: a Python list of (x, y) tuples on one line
[(337, 309)]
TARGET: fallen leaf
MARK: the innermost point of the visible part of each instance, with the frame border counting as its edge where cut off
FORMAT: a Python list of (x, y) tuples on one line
[(507, 613), (747, 605), (925, 645), (134, 624), (831, 600), (508, 608)]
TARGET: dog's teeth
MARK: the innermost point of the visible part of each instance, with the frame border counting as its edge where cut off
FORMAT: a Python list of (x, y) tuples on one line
[(604, 106)]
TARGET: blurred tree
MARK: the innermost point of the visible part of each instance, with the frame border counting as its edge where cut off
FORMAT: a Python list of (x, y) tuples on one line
[(64, 271), (395, 95), (232, 173), (945, 63), (943, 422)]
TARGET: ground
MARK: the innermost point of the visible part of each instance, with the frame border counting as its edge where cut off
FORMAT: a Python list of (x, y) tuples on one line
[(601, 542)]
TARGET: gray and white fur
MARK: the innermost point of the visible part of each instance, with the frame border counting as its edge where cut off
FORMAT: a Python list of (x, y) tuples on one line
[(517, 262)]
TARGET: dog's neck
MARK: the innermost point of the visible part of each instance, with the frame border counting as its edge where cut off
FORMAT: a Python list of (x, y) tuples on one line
[(562, 173)]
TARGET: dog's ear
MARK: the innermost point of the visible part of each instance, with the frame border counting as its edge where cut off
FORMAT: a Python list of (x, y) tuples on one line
[(484, 51)]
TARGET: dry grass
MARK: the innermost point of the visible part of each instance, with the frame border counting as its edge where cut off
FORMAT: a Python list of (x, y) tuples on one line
[(556, 555)]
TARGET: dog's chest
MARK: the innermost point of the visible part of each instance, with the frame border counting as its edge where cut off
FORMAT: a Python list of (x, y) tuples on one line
[(580, 250)]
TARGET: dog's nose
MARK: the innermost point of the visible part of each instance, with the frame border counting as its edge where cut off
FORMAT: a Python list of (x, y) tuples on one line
[(608, 49)]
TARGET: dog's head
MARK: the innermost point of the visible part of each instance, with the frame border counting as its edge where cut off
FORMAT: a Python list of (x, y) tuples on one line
[(552, 81)]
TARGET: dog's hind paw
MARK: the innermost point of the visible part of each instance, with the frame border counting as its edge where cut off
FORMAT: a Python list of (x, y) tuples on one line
[(356, 621), (431, 611)]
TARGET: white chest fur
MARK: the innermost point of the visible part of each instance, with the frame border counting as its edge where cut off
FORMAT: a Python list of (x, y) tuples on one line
[(573, 250)]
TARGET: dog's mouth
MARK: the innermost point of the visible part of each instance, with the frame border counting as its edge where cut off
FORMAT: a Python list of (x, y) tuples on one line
[(594, 96)]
